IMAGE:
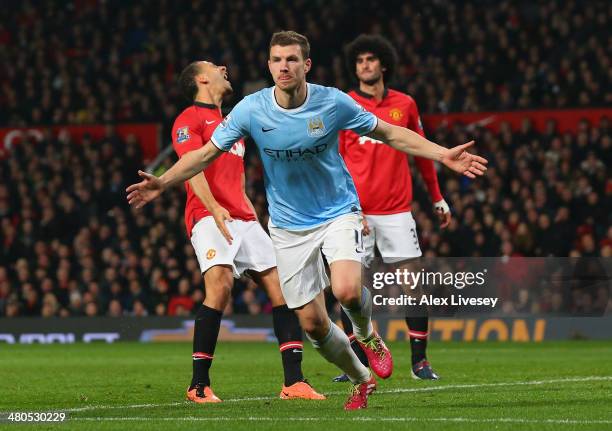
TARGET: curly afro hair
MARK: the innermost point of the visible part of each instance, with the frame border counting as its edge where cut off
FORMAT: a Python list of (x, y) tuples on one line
[(377, 45)]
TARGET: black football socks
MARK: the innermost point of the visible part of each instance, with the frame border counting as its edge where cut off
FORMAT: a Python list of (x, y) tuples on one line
[(289, 334), (205, 334), (417, 331)]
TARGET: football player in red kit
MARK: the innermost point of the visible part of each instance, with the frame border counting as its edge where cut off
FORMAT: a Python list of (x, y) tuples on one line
[(227, 238), (385, 199)]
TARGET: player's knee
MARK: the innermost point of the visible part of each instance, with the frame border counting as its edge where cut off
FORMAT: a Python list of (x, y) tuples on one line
[(315, 327), (218, 287), (348, 294), (217, 298), (309, 325)]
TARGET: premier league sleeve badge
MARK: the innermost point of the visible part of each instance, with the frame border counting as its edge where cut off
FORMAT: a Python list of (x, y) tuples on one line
[(182, 134)]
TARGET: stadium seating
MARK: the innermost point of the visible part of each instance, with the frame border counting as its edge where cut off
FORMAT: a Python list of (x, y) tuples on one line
[(91, 62), (68, 238)]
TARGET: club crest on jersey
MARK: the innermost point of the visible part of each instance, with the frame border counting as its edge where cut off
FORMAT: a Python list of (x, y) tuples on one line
[(316, 127), (396, 114), (182, 134), (211, 253)]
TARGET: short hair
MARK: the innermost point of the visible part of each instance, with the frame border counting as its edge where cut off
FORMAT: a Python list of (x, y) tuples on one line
[(286, 38), (377, 45), (187, 82)]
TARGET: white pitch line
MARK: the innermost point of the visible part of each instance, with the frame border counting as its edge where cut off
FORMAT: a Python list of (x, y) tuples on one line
[(128, 406), (491, 385), (389, 391), (353, 419)]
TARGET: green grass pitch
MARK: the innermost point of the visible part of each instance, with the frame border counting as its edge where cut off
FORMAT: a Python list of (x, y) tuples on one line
[(504, 386)]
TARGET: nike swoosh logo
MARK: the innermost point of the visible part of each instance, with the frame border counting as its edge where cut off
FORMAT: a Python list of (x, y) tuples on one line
[(296, 351), (263, 129), (210, 122)]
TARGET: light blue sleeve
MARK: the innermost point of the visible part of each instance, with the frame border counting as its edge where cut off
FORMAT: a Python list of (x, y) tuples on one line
[(352, 116), (235, 126)]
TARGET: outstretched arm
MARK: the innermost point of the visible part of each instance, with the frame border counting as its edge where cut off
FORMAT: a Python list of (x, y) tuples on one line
[(190, 164), (186, 167), (407, 141)]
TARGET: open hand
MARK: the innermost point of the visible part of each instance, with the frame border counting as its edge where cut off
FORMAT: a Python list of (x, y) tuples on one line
[(221, 215), (145, 191), (459, 160)]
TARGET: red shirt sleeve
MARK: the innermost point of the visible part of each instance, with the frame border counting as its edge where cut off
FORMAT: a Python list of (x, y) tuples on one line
[(186, 134), (425, 166)]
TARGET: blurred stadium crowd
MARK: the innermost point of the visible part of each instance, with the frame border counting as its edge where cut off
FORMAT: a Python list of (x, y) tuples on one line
[(70, 245), (89, 61)]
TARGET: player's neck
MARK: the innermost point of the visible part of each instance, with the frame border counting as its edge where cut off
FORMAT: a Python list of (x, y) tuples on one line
[(210, 98), (293, 98), (376, 90)]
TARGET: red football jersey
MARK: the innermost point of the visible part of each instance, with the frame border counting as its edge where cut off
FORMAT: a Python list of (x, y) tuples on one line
[(191, 130), (381, 173)]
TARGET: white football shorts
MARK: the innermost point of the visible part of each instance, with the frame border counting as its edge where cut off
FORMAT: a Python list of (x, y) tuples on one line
[(251, 248), (394, 235), (299, 255)]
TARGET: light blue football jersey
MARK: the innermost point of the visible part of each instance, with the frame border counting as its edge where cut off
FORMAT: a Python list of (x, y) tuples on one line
[(306, 180)]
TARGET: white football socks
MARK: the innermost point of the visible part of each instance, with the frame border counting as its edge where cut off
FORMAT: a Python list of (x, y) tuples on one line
[(336, 348), (361, 317)]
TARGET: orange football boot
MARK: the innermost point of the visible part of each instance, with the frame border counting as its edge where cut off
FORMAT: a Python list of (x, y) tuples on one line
[(202, 394), (300, 390)]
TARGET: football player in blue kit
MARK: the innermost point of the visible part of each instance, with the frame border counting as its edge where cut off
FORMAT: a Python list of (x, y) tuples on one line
[(313, 205)]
